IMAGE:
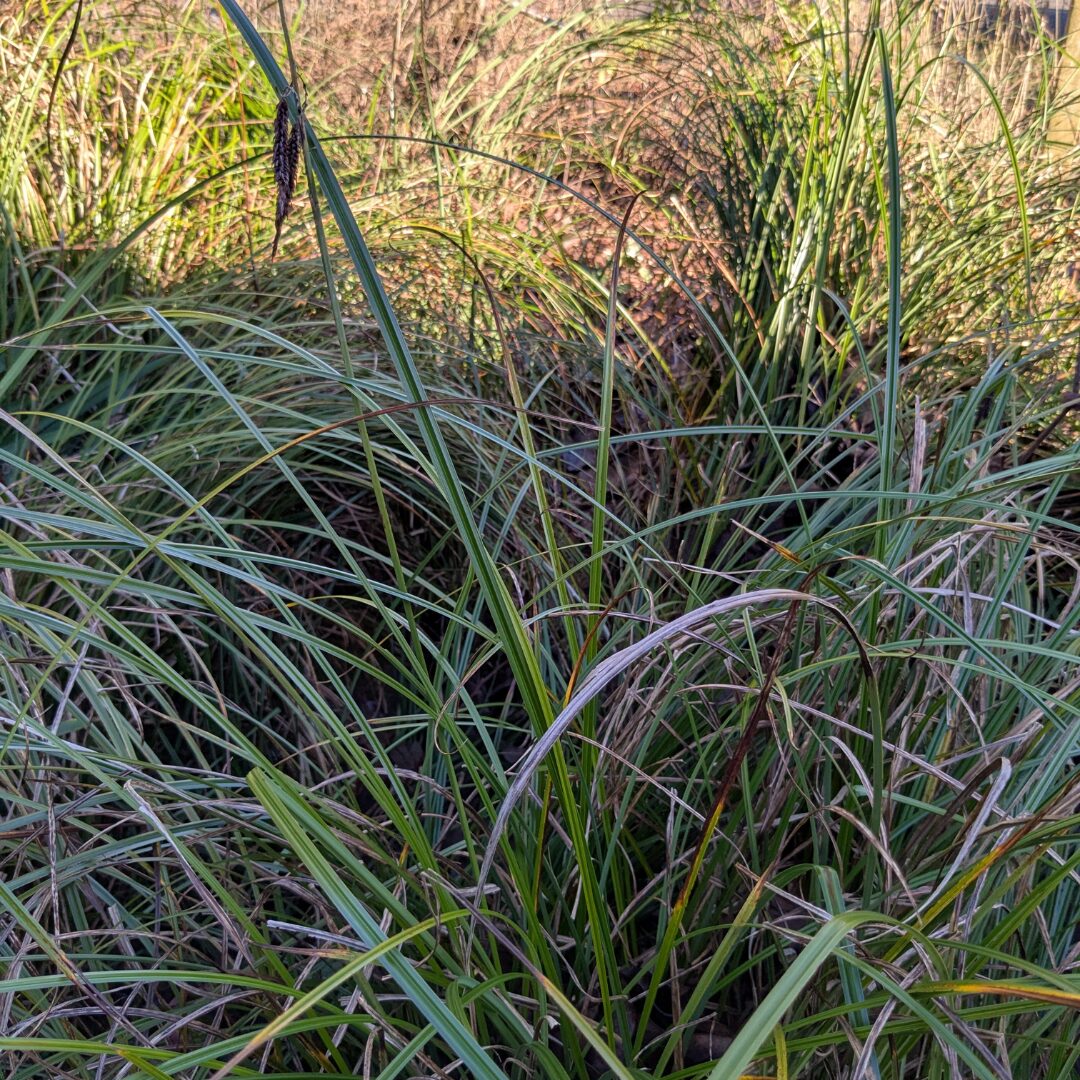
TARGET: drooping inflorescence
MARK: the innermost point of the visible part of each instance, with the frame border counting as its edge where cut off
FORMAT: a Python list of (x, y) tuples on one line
[(286, 161)]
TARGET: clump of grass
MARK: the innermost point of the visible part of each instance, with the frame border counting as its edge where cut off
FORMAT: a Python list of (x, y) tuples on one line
[(412, 667)]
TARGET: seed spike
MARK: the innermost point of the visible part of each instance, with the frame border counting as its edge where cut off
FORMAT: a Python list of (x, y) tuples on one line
[(286, 161)]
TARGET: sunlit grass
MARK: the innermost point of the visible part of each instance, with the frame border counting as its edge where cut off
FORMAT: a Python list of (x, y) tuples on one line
[(434, 653)]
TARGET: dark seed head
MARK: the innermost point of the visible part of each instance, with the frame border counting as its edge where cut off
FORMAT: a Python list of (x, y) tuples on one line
[(280, 154), (286, 161)]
